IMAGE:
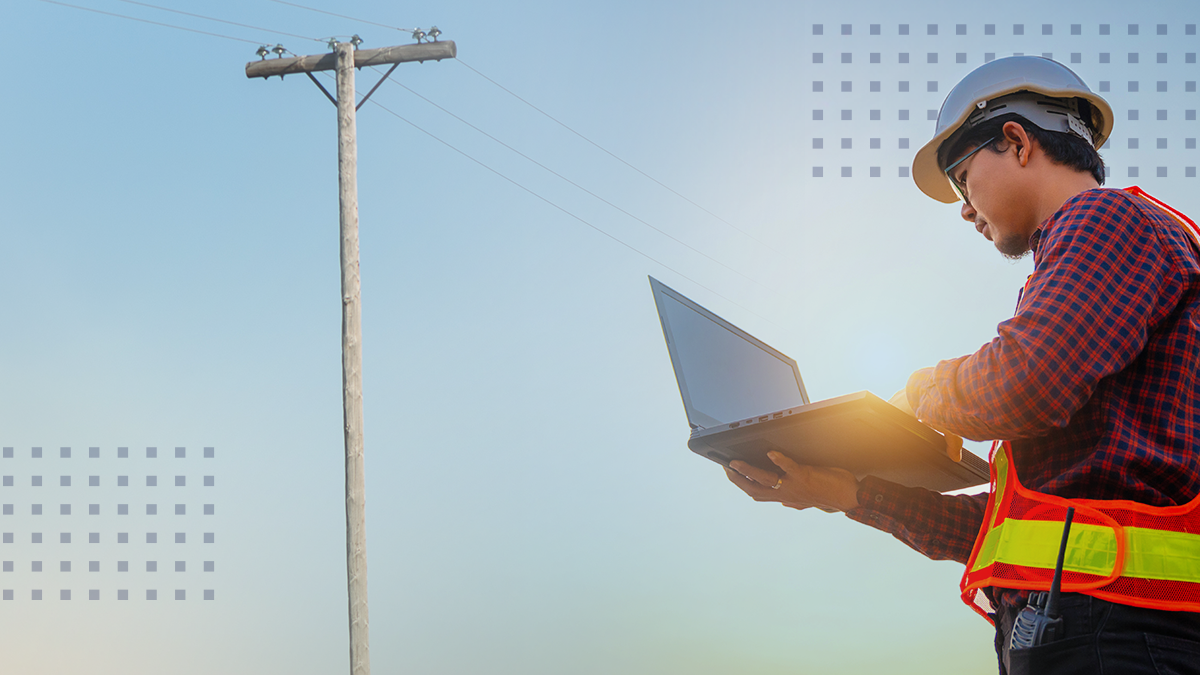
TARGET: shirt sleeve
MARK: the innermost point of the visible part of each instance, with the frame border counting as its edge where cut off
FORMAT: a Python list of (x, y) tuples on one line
[(1086, 313), (940, 527)]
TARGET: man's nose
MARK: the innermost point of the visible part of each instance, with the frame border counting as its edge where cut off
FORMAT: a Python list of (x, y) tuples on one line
[(968, 212)]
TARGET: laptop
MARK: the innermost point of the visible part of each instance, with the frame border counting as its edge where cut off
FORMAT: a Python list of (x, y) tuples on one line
[(744, 399)]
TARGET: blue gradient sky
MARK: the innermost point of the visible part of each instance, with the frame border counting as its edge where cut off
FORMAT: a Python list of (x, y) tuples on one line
[(169, 274)]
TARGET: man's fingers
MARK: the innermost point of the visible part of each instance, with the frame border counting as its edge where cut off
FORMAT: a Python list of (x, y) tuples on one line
[(830, 490), (748, 486), (784, 462), (755, 490), (739, 480), (954, 446), (900, 400), (764, 478)]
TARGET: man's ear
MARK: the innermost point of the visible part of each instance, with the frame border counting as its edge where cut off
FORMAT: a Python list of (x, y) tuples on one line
[(1017, 138)]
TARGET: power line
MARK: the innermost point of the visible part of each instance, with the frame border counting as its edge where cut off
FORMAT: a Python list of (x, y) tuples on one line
[(551, 118), (572, 215), (577, 185), (485, 166), (647, 256), (340, 16), (209, 18), (406, 121), (547, 201), (154, 23), (609, 153)]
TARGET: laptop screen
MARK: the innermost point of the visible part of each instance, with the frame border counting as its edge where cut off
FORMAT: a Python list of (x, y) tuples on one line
[(724, 374)]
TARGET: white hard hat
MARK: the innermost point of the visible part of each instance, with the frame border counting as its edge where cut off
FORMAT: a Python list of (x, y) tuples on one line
[(1043, 91)]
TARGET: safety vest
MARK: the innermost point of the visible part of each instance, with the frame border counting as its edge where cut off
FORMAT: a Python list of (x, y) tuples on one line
[(1118, 550)]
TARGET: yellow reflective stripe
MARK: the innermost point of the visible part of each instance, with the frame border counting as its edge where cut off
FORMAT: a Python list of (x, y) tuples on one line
[(1000, 460), (1091, 549), (1157, 554), (987, 552)]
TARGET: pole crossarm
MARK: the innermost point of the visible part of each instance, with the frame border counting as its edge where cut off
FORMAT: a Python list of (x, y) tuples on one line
[(429, 51)]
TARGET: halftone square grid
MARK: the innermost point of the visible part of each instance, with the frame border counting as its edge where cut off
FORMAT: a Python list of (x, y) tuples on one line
[(66, 523), (879, 73)]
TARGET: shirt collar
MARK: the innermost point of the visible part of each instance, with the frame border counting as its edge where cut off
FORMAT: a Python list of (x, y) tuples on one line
[(1035, 239)]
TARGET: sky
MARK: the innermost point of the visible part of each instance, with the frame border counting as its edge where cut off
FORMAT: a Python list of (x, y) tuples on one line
[(169, 274)]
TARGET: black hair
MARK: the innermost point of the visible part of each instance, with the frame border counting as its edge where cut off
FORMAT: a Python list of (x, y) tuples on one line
[(1062, 148)]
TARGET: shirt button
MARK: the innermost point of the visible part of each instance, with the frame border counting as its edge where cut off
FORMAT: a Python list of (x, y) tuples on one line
[(878, 498)]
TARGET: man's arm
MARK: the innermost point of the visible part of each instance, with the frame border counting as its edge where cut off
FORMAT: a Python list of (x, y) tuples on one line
[(1102, 283), (938, 526)]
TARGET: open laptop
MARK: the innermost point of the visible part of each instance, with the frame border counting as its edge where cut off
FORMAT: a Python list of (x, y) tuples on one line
[(744, 399)]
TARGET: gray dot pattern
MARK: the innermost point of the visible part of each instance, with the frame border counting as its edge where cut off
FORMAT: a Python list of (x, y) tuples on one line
[(1139, 59), (23, 545)]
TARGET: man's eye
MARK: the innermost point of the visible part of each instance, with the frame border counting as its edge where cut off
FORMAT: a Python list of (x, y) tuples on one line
[(962, 179)]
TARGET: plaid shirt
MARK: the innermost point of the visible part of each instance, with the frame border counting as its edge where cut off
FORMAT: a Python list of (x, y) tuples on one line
[(1095, 380)]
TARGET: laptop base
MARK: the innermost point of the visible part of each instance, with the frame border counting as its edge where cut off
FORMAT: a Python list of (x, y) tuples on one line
[(858, 432)]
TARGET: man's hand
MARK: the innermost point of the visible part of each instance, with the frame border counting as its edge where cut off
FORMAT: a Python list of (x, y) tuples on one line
[(900, 400), (795, 485), (954, 443)]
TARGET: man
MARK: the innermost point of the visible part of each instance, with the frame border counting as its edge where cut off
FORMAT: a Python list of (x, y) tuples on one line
[(1093, 387)]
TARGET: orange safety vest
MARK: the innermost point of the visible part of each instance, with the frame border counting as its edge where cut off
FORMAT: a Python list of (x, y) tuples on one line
[(1118, 550)]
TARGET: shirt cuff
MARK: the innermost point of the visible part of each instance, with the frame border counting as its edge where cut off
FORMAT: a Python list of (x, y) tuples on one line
[(880, 496)]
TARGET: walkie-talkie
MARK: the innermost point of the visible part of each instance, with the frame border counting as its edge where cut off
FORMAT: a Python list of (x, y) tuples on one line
[(1039, 623)]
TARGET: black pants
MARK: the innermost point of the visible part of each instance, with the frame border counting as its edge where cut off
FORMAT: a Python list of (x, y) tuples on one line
[(1103, 638)]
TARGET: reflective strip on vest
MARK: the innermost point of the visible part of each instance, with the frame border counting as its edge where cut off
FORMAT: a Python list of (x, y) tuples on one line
[(1000, 464), (1092, 549), (1158, 554)]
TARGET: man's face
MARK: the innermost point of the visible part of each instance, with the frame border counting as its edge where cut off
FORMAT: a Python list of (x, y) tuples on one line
[(993, 182)]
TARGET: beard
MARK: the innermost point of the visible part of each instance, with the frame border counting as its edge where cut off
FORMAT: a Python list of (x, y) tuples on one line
[(1013, 247)]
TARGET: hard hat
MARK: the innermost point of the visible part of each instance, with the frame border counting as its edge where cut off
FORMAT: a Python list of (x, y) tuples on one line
[(1043, 91)]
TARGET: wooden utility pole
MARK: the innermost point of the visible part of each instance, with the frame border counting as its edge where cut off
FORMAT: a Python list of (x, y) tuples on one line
[(345, 59)]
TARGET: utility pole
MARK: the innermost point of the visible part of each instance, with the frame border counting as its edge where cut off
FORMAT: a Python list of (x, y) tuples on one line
[(344, 59)]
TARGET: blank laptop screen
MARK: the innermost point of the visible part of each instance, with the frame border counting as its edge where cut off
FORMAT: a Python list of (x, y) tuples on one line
[(727, 377)]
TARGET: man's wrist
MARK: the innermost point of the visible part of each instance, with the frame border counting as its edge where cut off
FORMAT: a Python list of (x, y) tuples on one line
[(852, 498)]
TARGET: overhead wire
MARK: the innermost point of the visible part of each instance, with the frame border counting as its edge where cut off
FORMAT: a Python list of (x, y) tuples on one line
[(620, 241), (209, 18), (631, 247), (154, 23), (340, 16), (577, 185), (608, 152), (551, 118), (434, 137)]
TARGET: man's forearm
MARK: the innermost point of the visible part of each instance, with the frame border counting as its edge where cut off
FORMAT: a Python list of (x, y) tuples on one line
[(940, 527)]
